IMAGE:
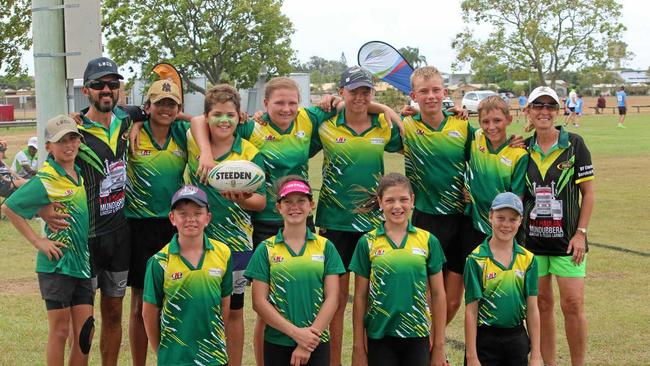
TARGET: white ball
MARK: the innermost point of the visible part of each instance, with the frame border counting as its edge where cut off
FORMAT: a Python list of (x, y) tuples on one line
[(236, 176)]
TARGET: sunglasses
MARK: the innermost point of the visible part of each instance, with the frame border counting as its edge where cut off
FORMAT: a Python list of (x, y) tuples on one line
[(549, 106), (100, 84)]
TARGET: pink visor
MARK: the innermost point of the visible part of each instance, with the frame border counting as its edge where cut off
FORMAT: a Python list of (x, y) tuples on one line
[(293, 186)]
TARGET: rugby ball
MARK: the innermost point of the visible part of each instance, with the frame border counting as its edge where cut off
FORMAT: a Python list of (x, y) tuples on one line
[(236, 176)]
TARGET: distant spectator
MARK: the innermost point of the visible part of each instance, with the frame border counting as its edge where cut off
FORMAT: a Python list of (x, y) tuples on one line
[(25, 163), (8, 180), (601, 104), (579, 110), (621, 102), (571, 104), (522, 103)]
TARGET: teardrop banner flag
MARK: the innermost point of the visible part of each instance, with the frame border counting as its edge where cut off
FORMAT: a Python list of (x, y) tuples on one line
[(386, 63)]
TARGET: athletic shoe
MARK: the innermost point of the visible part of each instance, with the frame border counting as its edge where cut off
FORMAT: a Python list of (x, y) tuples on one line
[(576, 125), (620, 125)]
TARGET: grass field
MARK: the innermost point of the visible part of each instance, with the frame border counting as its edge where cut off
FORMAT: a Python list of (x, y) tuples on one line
[(616, 287)]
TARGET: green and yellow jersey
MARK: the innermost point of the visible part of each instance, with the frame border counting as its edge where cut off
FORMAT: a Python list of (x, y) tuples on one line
[(189, 298), (296, 280), (398, 275), (230, 223), (155, 173), (501, 291), (285, 152), (102, 159), (53, 184), (353, 164), (435, 161), (492, 170), (552, 201)]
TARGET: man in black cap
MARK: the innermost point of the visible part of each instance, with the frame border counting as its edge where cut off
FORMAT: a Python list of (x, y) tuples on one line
[(102, 159)]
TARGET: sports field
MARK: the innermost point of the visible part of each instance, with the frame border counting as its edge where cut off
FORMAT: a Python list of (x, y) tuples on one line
[(617, 294)]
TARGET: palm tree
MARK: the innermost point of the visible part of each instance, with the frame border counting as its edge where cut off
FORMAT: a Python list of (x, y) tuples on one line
[(412, 55)]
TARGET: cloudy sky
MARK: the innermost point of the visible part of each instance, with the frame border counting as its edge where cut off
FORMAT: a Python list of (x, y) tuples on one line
[(335, 26), (327, 28)]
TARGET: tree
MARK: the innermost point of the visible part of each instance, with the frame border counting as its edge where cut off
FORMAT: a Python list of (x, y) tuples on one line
[(15, 22), (225, 40), (322, 70), (544, 37), (412, 55)]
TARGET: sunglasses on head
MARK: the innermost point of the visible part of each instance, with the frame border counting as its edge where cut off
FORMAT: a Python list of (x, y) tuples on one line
[(100, 84), (539, 106)]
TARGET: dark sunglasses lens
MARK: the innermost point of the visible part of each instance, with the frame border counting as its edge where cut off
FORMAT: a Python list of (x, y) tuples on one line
[(99, 84)]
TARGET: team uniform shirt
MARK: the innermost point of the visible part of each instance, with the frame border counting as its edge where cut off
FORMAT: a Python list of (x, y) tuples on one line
[(53, 184), (398, 275), (230, 223), (189, 298), (296, 280), (102, 159), (285, 152), (620, 98), (155, 172), (501, 291), (552, 202), (352, 163), (23, 158), (435, 161), (492, 171)]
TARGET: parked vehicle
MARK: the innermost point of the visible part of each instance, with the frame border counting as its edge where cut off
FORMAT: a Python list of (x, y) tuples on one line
[(472, 99)]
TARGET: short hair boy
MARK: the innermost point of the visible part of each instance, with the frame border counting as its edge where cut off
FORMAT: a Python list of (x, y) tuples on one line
[(500, 292), (494, 166), (187, 288), (63, 259)]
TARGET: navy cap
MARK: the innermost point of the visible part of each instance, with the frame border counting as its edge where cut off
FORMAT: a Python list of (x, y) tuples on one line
[(191, 193), (508, 200), (100, 67), (355, 77)]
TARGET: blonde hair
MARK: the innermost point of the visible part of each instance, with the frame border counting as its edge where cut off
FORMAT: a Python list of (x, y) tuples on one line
[(425, 73), (281, 82), (221, 93), (491, 103)]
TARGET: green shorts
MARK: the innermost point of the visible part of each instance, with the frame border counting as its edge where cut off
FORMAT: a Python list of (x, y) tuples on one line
[(561, 266)]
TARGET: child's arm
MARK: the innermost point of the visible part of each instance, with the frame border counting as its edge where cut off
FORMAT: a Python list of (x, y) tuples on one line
[(151, 319), (52, 249), (532, 324), (225, 312), (439, 321), (304, 337), (471, 323), (359, 309), (201, 134)]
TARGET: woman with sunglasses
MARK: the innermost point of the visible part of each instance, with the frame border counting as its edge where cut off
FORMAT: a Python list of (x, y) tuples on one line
[(558, 204)]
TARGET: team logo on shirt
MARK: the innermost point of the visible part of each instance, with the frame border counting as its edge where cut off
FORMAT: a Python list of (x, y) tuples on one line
[(178, 153), (419, 251), (68, 192), (419, 132), (379, 252), (519, 273), (215, 272), (269, 138), (492, 275), (377, 141), (565, 165), (454, 134), (277, 259), (506, 161), (177, 275), (145, 152), (300, 134), (318, 258), (341, 140), (481, 148)]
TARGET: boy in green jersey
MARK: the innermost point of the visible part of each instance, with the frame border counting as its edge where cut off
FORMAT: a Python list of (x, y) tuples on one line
[(501, 292), (494, 167), (187, 288), (63, 260), (154, 172)]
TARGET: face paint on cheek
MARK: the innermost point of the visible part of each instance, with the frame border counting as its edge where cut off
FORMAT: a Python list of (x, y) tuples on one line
[(214, 120)]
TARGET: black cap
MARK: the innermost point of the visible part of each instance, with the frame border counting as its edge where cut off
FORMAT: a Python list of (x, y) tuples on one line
[(100, 67), (355, 77)]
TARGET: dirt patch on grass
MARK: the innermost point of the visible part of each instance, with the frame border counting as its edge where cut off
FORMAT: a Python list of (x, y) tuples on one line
[(19, 286)]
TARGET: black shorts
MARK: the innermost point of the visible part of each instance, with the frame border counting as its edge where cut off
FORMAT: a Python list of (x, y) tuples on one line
[(344, 241), (572, 109), (277, 355), (110, 259), (62, 291), (471, 236), (449, 229), (394, 351), (148, 237), (622, 110), (263, 230), (502, 346)]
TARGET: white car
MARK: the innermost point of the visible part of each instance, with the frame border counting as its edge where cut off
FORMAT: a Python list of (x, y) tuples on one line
[(472, 99)]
